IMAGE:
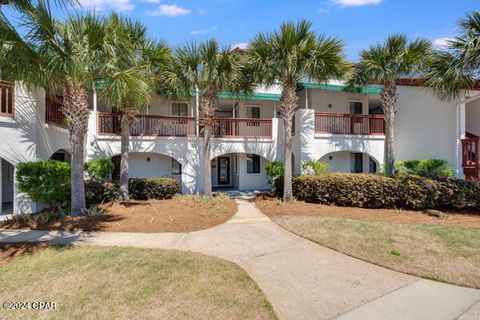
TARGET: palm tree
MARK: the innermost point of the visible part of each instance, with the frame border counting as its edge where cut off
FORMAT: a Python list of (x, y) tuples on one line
[(455, 70), (206, 69), (134, 65), (287, 57), (57, 55), (385, 63)]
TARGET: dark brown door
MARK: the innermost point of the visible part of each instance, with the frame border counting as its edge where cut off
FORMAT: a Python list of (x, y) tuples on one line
[(223, 170)]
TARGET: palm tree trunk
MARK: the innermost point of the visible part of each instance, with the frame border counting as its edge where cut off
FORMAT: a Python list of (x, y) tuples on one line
[(125, 134), (389, 105), (207, 105), (75, 109), (288, 104)]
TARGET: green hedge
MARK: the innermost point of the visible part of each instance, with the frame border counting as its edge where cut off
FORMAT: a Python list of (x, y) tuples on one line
[(99, 169), (153, 188), (46, 182), (378, 191), (98, 192)]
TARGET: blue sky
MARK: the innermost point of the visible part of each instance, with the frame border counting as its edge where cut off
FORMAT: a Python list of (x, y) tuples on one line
[(359, 23)]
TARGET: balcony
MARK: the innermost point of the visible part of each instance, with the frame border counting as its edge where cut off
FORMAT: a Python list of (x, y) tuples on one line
[(354, 124), (53, 109), (171, 126), (7, 101)]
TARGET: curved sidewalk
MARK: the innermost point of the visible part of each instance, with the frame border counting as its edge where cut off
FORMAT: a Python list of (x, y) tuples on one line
[(301, 279)]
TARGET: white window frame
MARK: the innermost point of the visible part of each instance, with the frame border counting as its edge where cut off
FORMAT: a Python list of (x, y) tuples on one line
[(179, 102), (246, 165), (259, 106), (356, 101)]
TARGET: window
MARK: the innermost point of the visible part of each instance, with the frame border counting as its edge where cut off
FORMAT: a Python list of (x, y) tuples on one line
[(356, 162), (355, 107), (253, 112), (176, 167), (253, 163), (7, 91), (179, 109)]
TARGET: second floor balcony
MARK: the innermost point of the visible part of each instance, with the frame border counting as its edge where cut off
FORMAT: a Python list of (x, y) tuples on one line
[(173, 126), (349, 124)]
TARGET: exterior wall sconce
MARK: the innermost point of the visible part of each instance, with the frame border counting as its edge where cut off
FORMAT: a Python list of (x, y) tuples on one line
[(330, 105), (148, 159)]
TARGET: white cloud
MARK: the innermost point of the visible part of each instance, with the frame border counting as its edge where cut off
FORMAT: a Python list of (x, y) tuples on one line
[(102, 5), (170, 10), (152, 1), (203, 31), (240, 45), (355, 3), (442, 42), (201, 11), (323, 10)]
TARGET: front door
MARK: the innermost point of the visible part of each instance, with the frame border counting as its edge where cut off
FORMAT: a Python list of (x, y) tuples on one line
[(223, 170)]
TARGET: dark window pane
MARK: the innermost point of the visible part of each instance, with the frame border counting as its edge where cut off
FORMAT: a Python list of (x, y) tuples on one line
[(176, 167), (253, 163)]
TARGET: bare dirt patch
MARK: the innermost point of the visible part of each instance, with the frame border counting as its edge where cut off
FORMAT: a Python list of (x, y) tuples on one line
[(180, 214), (9, 251), (274, 207)]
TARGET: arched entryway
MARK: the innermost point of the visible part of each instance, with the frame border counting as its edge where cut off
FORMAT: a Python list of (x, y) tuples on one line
[(61, 155), (7, 181), (239, 171), (351, 161)]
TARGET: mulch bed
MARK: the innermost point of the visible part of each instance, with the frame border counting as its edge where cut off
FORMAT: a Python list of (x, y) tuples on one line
[(274, 207), (180, 214)]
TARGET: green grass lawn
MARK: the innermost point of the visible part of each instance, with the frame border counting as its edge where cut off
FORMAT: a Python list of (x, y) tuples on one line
[(449, 254), (128, 283)]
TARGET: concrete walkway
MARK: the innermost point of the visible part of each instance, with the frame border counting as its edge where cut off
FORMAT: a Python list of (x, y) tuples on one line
[(301, 279)]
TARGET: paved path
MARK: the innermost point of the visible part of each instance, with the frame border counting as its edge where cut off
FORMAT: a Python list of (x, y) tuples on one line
[(301, 279)]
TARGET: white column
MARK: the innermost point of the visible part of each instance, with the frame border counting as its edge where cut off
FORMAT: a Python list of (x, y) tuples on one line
[(461, 128), (95, 108), (306, 98), (1, 185)]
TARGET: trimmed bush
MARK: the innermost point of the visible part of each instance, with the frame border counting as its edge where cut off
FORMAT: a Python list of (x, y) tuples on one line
[(153, 188), (98, 192), (430, 168), (315, 168), (378, 191), (274, 170), (46, 182), (99, 169)]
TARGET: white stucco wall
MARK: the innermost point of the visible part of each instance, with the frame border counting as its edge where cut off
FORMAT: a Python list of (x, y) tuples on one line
[(472, 110), (425, 126)]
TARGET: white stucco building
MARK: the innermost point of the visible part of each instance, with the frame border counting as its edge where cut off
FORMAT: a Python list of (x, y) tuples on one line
[(342, 128)]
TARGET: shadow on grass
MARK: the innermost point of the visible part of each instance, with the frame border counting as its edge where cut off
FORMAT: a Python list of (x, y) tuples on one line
[(10, 251)]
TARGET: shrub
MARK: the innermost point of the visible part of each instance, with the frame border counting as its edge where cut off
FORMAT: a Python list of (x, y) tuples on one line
[(46, 182), (98, 192), (315, 168), (378, 191), (431, 168), (153, 188), (274, 169), (99, 169)]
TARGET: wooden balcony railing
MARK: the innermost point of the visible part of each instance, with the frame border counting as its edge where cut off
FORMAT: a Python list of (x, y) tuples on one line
[(243, 128), (338, 123), (53, 109), (470, 160), (170, 126), (7, 98), (147, 125)]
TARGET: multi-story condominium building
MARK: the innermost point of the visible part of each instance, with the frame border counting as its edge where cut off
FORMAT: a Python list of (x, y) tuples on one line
[(332, 124)]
